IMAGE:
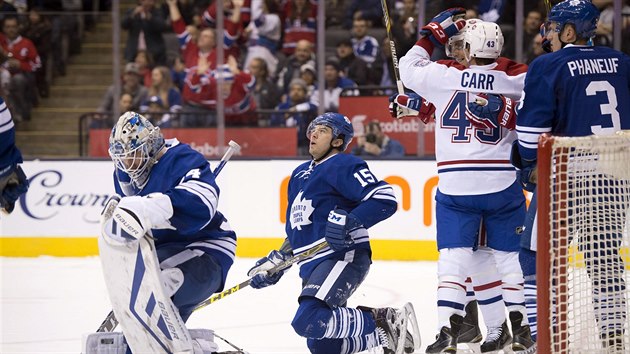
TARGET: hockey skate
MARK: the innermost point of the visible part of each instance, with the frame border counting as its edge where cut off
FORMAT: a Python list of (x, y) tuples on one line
[(522, 343), (446, 340), (391, 328), (497, 340), (470, 333)]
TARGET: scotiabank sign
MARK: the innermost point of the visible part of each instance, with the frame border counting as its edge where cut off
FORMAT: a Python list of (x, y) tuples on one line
[(362, 110), (263, 142)]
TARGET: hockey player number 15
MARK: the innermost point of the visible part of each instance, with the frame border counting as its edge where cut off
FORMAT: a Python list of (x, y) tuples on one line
[(364, 177), (606, 108)]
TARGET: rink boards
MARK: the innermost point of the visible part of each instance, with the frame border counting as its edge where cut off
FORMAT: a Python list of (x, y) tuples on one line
[(59, 215)]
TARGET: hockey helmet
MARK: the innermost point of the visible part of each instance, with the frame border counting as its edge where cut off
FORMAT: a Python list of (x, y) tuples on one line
[(340, 125), (483, 39), (580, 13), (133, 146)]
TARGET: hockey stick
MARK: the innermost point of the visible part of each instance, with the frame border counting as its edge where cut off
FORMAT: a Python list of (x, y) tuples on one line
[(392, 47), (110, 322)]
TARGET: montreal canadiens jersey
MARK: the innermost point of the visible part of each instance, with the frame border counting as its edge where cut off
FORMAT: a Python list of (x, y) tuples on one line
[(341, 181), (576, 91), (470, 161), (185, 177)]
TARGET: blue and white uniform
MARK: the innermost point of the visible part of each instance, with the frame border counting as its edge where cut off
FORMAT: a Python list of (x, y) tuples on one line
[(202, 244), (9, 153)]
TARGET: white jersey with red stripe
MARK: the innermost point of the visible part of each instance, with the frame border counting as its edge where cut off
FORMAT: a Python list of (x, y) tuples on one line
[(470, 161)]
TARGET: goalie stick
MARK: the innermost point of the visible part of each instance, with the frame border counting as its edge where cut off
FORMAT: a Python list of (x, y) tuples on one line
[(110, 322)]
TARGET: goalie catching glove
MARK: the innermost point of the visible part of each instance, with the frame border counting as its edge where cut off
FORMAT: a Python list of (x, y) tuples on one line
[(130, 218), (411, 105), (445, 25), (492, 111), (13, 183), (262, 277), (338, 228)]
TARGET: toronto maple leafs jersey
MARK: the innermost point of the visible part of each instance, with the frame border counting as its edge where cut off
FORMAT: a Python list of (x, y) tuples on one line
[(576, 91), (340, 181), (9, 153), (184, 175), (470, 161)]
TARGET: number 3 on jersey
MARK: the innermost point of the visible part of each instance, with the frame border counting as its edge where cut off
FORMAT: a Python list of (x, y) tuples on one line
[(364, 177), (454, 118)]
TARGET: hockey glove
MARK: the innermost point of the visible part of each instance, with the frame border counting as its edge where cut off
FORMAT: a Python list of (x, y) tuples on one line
[(526, 172), (338, 228), (411, 105), (13, 183), (492, 111), (445, 25), (261, 272)]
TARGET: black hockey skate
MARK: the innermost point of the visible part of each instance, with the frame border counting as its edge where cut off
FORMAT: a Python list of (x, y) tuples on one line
[(498, 338), (470, 331), (446, 340), (522, 343)]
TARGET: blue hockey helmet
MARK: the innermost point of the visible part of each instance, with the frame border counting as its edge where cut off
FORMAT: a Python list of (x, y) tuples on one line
[(580, 13), (134, 145), (340, 125)]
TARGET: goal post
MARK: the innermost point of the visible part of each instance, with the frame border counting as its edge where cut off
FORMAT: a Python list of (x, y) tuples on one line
[(583, 273)]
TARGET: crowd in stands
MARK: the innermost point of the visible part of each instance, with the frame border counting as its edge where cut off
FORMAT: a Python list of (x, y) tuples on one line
[(171, 67)]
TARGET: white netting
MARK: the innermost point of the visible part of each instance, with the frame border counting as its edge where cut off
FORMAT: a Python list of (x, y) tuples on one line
[(589, 245)]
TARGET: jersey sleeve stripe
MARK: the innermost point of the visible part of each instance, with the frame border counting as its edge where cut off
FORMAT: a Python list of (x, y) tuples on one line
[(383, 190), (204, 198)]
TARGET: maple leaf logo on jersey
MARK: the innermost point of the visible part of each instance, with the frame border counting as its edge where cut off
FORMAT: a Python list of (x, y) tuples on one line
[(301, 210)]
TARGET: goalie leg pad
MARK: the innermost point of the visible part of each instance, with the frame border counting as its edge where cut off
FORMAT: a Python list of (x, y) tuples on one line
[(203, 341), (104, 343)]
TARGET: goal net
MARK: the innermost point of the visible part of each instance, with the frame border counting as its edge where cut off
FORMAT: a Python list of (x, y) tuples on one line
[(583, 244)]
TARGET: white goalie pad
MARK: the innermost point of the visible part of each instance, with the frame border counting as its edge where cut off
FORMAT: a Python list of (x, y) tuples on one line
[(150, 321), (104, 343)]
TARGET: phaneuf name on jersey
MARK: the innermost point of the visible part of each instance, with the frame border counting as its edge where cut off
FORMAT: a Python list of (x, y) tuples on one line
[(593, 66)]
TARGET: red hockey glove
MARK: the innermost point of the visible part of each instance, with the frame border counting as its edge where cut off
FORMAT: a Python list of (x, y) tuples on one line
[(444, 25)]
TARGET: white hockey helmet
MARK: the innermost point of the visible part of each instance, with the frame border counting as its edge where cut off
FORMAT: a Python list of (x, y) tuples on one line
[(134, 145), (483, 39)]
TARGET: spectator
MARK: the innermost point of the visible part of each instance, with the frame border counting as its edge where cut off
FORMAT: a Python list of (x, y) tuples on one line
[(535, 49), (200, 60), (352, 67), (291, 69), (604, 33), (178, 72), (39, 30), (531, 29), (266, 93), (236, 19), (145, 24), (264, 37), (335, 10), (21, 59), (365, 47), (299, 21), (309, 75), (237, 93), (335, 84), (6, 9), (369, 10), (131, 85), (157, 112), (145, 65), (105, 119), (384, 68), (405, 26), (299, 112), (377, 144), (163, 88)]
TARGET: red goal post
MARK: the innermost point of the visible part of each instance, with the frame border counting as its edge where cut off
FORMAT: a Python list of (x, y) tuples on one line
[(583, 242)]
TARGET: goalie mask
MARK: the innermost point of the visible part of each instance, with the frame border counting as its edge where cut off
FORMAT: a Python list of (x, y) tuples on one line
[(340, 125), (134, 145)]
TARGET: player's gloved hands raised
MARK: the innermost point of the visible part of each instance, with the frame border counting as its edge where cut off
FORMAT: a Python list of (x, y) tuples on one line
[(492, 111), (411, 105), (338, 228), (442, 26), (13, 183), (130, 218), (526, 172), (262, 276)]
